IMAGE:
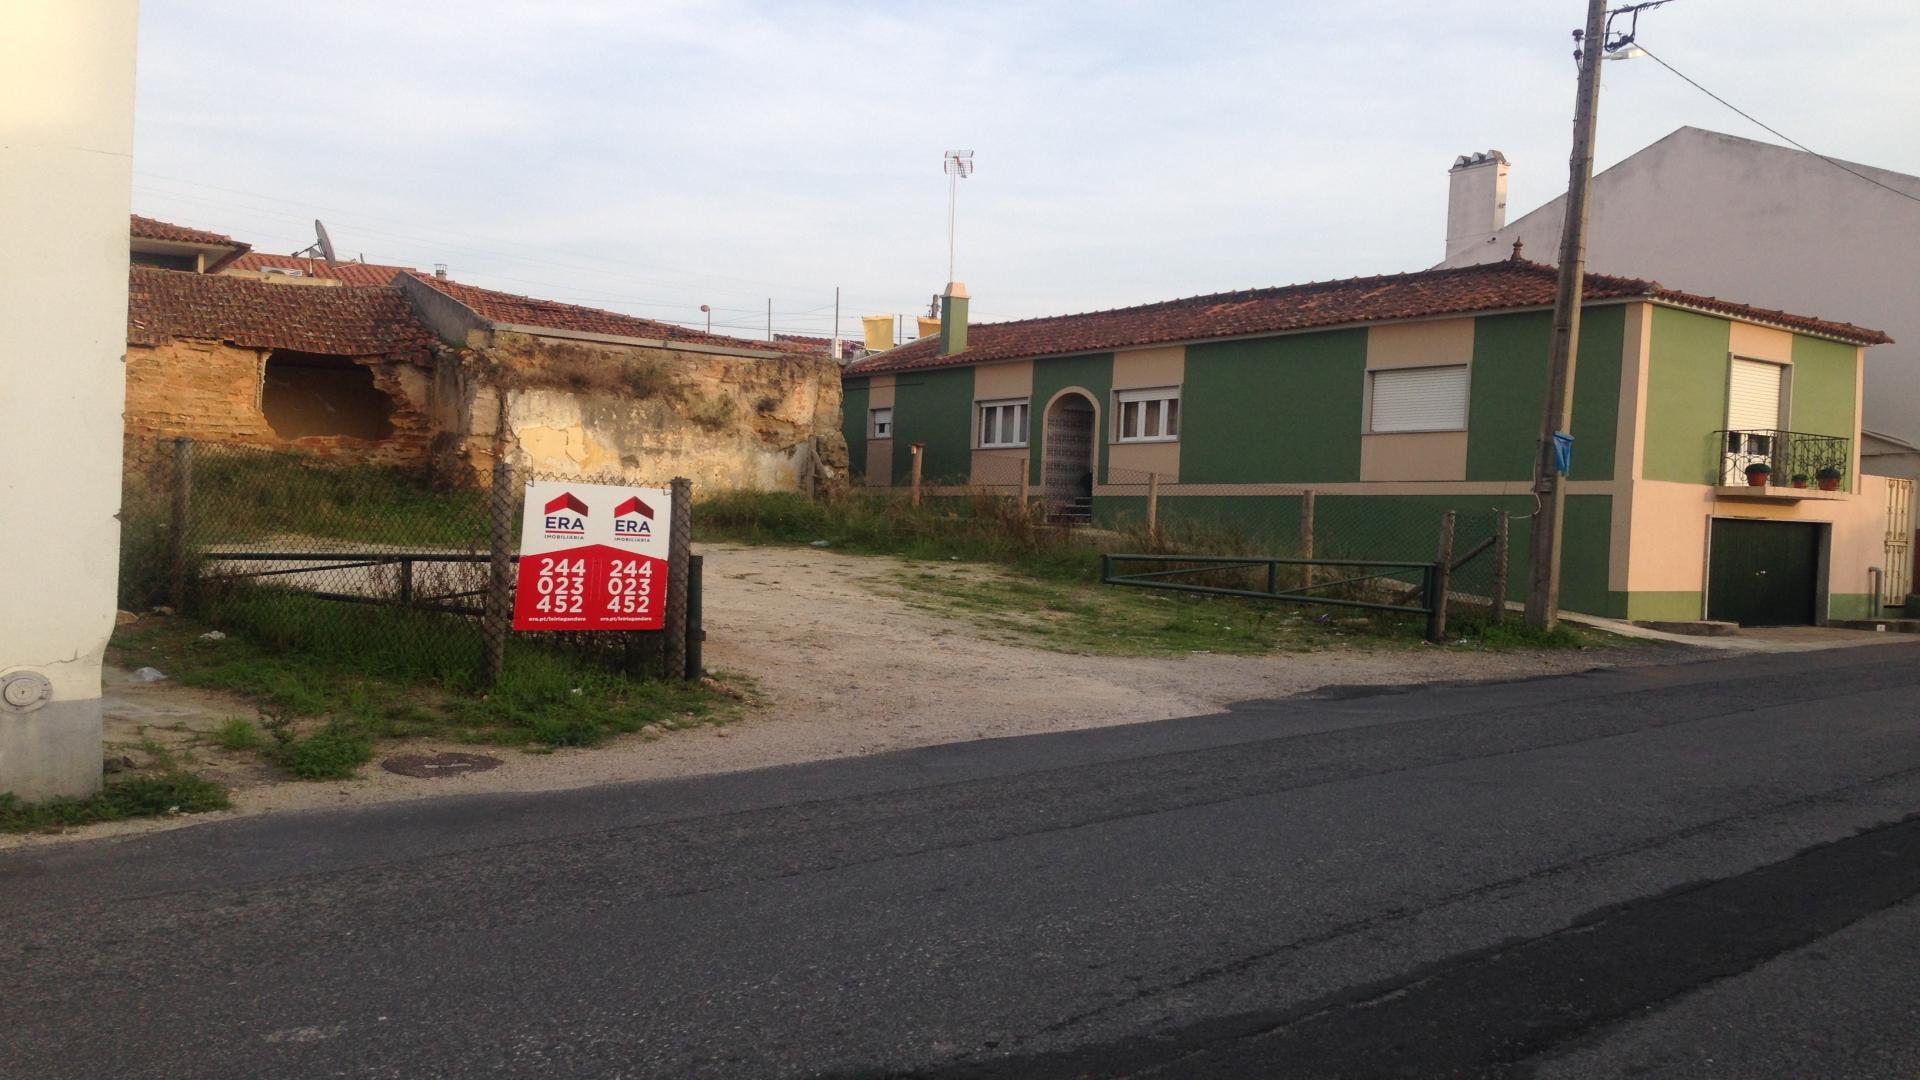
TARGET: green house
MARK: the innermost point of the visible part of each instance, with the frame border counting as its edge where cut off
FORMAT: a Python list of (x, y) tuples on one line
[(1401, 396)]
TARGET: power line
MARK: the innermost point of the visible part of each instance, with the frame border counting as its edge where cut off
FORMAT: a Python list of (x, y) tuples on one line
[(1841, 165)]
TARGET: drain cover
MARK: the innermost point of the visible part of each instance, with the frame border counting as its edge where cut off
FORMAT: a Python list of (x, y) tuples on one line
[(429, 766)]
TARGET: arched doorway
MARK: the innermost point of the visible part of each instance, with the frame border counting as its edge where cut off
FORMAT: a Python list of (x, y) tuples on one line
[(1067, 458)]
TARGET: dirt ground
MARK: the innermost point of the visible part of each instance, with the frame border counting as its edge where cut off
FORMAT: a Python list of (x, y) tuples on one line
[(847, 667)]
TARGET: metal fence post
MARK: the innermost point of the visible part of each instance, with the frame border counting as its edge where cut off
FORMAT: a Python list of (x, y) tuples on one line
[(1442, 581), (1306, 537), (1500, 550), (497, 616), (696, 619), (1153, 507), (179, 542), (679, 555)]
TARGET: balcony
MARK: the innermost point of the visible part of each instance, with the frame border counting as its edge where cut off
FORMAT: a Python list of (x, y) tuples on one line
[(1788, 454)]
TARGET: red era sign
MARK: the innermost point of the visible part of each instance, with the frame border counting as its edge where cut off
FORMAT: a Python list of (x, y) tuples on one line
[(592, 557)]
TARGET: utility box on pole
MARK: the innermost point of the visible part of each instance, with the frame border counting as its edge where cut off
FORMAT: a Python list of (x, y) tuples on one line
[(66, 180)]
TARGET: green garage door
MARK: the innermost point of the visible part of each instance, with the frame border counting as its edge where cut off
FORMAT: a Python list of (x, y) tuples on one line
[(1763, 572)]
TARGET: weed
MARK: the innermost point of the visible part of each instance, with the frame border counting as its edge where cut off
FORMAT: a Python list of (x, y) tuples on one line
[(335, 752), (137, 796), (237, 733)]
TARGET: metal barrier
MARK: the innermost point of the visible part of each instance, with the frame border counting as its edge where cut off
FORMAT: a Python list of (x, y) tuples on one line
[(1379, 579)]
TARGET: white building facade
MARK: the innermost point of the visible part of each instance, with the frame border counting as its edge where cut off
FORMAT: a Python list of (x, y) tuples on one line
[(1731, 217), (66, 179)]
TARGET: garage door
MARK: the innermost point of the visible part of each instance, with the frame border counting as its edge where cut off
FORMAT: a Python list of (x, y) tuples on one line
[(1763, 573)]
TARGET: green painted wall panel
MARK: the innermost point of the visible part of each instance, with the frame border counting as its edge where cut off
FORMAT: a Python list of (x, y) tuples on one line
[(853, 424), (935, 408), (1510, 354), (1274, 410), (1686, 396), (1823, 390), (1850, 605), (1093, 374)]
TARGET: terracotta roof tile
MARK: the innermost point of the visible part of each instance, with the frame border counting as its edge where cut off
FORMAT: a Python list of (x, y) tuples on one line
[(1514, 283), (500, 307), (146, 228), (352, 273), (344, 321)]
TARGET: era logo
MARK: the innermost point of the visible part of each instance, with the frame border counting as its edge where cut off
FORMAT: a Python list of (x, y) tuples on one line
[(633, 519), (566, 514)]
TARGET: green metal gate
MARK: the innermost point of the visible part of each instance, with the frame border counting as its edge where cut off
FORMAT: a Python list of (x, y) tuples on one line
[(1763, 573)]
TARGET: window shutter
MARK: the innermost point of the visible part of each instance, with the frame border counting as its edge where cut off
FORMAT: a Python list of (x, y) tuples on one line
[(1753, 396), (1420, 399)]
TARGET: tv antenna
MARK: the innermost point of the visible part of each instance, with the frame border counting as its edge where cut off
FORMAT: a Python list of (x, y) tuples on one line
[(957, 164), (321, 247)]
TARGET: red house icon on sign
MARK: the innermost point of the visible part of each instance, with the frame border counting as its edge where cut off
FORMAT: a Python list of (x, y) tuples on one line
[(634, 506), (566, 501)]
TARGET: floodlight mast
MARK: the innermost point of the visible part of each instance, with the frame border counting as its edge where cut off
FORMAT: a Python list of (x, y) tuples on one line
[(957, 164)]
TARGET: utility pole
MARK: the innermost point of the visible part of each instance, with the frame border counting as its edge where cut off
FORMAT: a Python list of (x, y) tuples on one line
[(769, 318), (836, 322), (1549, 486)]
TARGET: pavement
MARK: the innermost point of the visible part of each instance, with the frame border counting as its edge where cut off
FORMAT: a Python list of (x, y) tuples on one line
[(1696, 870)]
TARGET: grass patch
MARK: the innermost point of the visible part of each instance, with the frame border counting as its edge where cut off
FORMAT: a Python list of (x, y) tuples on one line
[(1068, 616), (171, 792), (333, 681), (1514, 633)]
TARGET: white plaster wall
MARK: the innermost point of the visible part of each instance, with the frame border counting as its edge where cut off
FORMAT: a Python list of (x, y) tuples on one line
[(1759, 224), (66, 152)]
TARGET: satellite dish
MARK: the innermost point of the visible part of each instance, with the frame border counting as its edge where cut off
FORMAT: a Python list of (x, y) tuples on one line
[(326, 242), (322, 246)]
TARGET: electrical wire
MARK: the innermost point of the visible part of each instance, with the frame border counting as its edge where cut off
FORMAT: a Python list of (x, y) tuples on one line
[(1841, 165)]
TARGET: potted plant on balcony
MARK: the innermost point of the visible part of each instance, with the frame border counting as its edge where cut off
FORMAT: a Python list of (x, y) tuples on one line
[(1829, 478), (1800, 479), (1757, 474)]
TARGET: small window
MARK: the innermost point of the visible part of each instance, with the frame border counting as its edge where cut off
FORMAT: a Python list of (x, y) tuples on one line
[(1419, 399), (1147, 415), (880, 423), (1003, 423)]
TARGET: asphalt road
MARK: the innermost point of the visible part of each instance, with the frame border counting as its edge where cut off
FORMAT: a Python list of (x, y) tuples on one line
[(1706, 869)]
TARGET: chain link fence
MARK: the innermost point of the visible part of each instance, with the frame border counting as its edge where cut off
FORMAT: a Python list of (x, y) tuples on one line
[(305, 554)]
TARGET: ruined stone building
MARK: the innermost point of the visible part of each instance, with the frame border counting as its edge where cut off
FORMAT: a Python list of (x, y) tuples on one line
[(387, 365)]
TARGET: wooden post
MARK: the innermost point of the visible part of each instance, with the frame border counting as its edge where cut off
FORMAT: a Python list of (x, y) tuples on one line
[(1306, 537), (1026, 484), (1442, 581), (916, 450), (1500, 549), (179, 538), (496, 619), (1153, 507), (679, 566)]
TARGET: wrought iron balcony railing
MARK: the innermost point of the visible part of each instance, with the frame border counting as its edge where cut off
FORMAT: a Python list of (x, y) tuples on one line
[(1786, 454)]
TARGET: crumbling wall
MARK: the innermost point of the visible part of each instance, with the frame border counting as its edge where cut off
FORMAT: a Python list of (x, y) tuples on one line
[(723, 421), (212, 391)]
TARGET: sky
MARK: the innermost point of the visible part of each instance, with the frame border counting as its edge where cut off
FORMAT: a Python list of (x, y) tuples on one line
[(650, 157)]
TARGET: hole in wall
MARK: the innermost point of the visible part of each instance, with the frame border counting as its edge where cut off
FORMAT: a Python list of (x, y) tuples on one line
[(306, 394)]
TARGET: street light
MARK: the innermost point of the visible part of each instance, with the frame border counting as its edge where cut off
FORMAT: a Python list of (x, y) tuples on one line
[(956, 164), (709, 313)]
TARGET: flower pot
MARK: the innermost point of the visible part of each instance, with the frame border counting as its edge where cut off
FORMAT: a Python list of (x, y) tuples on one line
[(1830, 485), (1799, 481), (1756, 479)]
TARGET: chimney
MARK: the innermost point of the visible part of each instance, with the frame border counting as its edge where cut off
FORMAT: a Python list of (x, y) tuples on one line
[(953, 319), (1476, 201), (440, 271), (877, 332)]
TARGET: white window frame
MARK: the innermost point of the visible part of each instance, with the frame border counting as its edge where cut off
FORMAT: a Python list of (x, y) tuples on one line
[(1154, 403), (1023, 413), (874, 422), (1466, 397)]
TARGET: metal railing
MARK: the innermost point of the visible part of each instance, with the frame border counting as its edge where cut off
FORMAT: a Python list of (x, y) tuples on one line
[(1370, 584), (1786, 454)]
